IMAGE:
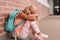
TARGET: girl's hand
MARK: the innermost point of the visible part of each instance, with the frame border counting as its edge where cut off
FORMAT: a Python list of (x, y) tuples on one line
[(34, 15)]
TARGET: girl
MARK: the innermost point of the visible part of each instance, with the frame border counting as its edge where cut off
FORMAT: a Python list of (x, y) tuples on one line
[(32, 13)]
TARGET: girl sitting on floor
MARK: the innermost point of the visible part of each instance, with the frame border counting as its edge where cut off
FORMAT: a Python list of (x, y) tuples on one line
[(23, 32)]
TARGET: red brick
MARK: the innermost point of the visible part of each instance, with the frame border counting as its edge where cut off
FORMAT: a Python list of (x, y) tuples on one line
[(10, 4), (2, 14), (1, 31), (2, 25), (12, 1), (15, 5), (8, 9), (2, 20), (1, 8), (3, 3)]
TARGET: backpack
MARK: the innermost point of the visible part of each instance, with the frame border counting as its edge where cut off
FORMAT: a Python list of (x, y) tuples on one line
[(9, 24)]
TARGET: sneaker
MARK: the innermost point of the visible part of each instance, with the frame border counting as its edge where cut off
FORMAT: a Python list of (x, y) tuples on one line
[(43, 35), (38, 38)]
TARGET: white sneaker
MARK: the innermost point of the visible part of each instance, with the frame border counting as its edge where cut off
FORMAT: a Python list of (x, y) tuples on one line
[(38, 38), (43, 35)]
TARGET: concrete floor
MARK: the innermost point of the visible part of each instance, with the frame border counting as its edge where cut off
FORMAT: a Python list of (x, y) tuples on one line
[(49, 25)]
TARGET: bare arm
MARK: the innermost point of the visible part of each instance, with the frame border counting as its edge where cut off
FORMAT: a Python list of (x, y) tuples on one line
[(34, 15), (27, 17)]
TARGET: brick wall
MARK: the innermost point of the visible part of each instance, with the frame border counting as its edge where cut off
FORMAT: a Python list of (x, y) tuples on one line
[(7, 5)]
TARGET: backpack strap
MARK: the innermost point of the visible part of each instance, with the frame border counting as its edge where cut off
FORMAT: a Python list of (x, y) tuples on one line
[(21, 22)]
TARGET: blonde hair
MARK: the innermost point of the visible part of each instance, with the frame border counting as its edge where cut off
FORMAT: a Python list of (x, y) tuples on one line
[(30, 7)]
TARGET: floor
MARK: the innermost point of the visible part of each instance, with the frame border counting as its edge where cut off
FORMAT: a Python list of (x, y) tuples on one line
[(49, 25)]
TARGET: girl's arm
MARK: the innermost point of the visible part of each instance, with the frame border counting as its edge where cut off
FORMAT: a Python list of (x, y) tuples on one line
[(27, 17), (34, 15)]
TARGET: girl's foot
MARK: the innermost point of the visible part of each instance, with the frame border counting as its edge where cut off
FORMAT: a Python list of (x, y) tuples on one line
[(38, 38), (43, 35)]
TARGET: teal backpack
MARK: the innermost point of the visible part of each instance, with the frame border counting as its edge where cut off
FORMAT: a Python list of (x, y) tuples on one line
[(9, 25)]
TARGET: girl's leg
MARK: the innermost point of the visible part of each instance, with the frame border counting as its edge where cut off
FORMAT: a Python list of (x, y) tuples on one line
[(36, 37), (36, 30), (34, 27)]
